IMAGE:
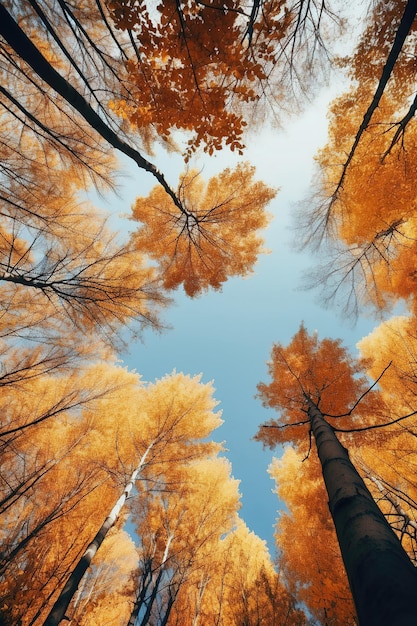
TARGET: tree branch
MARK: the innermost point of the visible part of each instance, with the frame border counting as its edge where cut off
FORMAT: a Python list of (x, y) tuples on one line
[(361, 397), (23, 46), (402, 32)]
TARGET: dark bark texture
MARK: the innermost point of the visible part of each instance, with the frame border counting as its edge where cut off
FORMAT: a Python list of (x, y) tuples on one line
[(382, 578)]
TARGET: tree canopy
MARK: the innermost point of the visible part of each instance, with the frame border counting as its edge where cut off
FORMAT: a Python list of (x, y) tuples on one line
[(117, 502)]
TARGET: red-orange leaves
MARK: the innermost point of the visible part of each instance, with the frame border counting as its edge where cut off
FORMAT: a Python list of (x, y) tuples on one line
[(190, 59), (215, 237), (322, 371)]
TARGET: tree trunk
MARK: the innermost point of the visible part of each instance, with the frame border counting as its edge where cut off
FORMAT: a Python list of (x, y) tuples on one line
[(58, 610), (156, 585), (404, 27), (29, 53), (382, 578)]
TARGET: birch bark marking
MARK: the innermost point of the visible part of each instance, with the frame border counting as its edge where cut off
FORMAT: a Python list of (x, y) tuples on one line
[(382, 578), (58, 610)]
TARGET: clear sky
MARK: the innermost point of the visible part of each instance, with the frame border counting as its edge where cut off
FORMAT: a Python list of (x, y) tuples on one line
[(227, 336)]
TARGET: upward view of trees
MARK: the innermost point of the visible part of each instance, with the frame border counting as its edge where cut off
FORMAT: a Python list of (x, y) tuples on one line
[(117, 506)]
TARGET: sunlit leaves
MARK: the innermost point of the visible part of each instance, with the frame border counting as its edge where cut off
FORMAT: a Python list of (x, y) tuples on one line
[(62, 268), (68, 445), (366, 192), (323, 371), (216, 237), (108, 583), (306, 537), (196, 46), (210, 68)]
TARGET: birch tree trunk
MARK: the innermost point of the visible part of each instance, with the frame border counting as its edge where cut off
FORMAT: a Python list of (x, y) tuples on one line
[(155, 589), (58, 610), (382, 578)]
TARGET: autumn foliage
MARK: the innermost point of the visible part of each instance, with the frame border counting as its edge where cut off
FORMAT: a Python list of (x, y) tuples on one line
[(211, 68), (215, 237), (306, 537), (79, 433), (307, 368), (320, 392)]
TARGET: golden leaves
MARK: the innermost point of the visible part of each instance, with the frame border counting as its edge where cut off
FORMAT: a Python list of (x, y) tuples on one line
[(367, 199), (74, 440), (214, 238), (306, 536)]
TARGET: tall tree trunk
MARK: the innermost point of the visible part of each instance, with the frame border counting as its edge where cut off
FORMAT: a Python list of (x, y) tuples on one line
[(58, 610), (382, 578), (28, 52), (145, 583)]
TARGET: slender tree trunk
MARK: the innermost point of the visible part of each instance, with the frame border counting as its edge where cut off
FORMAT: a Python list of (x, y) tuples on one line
[(58, 610), (156, 585), (404, 27), (145, 583), (172, 596), (200, 590), (28, 52), (382, 578)]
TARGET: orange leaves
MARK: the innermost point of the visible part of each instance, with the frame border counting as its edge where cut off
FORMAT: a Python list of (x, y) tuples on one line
[(368, 197), (214, 238), (372, 214), (75, 439), (320, 370), (307, 540), (193, 70), (394, 341), (196, 66), (61, 266), (177, 412)]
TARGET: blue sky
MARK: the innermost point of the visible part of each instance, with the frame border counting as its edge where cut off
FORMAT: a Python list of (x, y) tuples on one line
[(227, 336)]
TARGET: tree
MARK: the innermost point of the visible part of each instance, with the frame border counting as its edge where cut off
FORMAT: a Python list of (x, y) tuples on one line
[(216, 238), (58, 473), (31, 54), (318, 380), (390, 466), (116, 44), (402, 30), (179, 526), (372, 233), (106, 284), (247, 588), (64, 276), (76, 273), (108, 584), (159, 434), (205, 575), (57, 612), (184, 51), (366, 170)]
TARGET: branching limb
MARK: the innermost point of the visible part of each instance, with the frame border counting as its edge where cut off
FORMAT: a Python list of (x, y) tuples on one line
[(402, 32), (23, 46), (374, 426), (362, 396)]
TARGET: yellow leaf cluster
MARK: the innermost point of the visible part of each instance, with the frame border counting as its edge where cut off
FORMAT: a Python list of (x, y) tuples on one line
[(69, 442)]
